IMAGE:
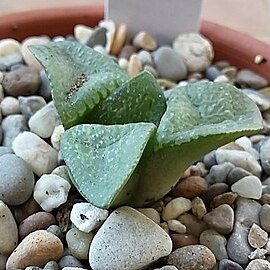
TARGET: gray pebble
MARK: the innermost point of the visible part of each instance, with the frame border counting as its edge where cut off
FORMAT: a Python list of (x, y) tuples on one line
[(45, 88), (226, 264), (212, 73), (16, 180), (3, 260), (1, 134), (258, 264), (145, 57), (11, 59), (218, 173), (236, 174), (56, 230), (69, 261), (30, 105), (12, 125), (169, 64), (98, 37), (51, 265), (215, 242), (250, 79), (261, 100), (5, 150), (265, 155), (265, 217), (215, 190)]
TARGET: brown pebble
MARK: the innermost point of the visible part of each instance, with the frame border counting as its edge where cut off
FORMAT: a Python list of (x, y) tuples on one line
[(182, 240), (37, 221), (24, 210), (144, 40), (119, 39), (167, 84), (134, 65), (190, 187), (214, 190), (265, 199), (225, 198), (198, 208), (22, 81), (37, 248), (127, 51)]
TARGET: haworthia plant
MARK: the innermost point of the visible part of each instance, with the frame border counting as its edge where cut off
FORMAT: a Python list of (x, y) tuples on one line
[(134, 144)]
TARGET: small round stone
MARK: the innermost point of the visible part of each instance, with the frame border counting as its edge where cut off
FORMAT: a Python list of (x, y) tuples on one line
[(69, 261), (169, 64), (151, 213), (9, 105), (127, 51), (183, 239), (258, 264), (57, 231), (198, 208), (56, 136), (145, 57), (119, 39), (248, 78), (202, 258), (134, 65), (52, 265), (175, 208), (144, 40), (22, 81), (226, 264), (123, 63), (212, 73), (190, 187), (218, 173), (176, 226), (78, 243), (257, 237), (225, 198), (36, 221), (16, 180), (265, 217), (214, 190), (31, 249), (82, 33), (9, 46), (97, 37)]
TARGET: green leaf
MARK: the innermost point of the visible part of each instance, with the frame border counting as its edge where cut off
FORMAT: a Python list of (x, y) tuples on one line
[(199, 118), (138, 100), (102, 159), (80, 78)]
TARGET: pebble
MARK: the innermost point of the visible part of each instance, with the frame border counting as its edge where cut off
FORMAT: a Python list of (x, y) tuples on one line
[(265, 199), (164, 83), (22, 81), (97, 37), (218, 173), (202, 258), (226, 264), (240, 159), (175, 208), (56, 136), (41, 157), (8, 230), (258, 264), (145, 57), (215, 190), (26, 209), (167, 267), (212, 72), (220, 219), (44, 121), (12, 61), (78, 243), (265, 217), (150, 213), (34, 222), (30, 251), (257, 237), (9, 105), (248, 187), (248, 78), (16, 180), (236, 174), (69, 261), (225, 198), (119, 39), (110, 33), (87, 217), (30, 105), (176, 226), (265, 155), (169, 64), (1, 92), (261, 100), (121, 241), (3, 259), (51, 191), (153, 71), (73, 268), (193, 225), (52, 265), (183, 239), (190, 187), (57, 231), (9, 46), (134, 65), (123, 63), (215, 242), (82, 33), (198, 208), (13, 125), (145, 41), (196, 50), (258, 253), (127, 51), (28, 57), (45, 88)]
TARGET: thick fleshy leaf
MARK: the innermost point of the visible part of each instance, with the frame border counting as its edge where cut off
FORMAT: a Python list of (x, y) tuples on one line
[(80, 78), (138, 100), (199, 118), (102, 159)]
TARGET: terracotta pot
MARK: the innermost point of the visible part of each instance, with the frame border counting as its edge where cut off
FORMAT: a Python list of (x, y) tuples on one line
[(237, 48)]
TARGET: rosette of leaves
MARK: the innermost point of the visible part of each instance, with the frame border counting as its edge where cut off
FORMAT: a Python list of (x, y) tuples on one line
[(125, 143)]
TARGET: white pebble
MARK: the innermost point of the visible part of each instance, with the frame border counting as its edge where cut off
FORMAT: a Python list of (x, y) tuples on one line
[(111, 29), (87, 217), (9, 105), (39, 155), (51, 191), (100, 49), (56, 136), (62, 171), (9, 46), (175, 208), (123, 63), (28, 57), (82, 33), (176, 226)]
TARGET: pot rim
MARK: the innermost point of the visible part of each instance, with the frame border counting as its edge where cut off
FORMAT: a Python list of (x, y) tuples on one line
[(237, 48)]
